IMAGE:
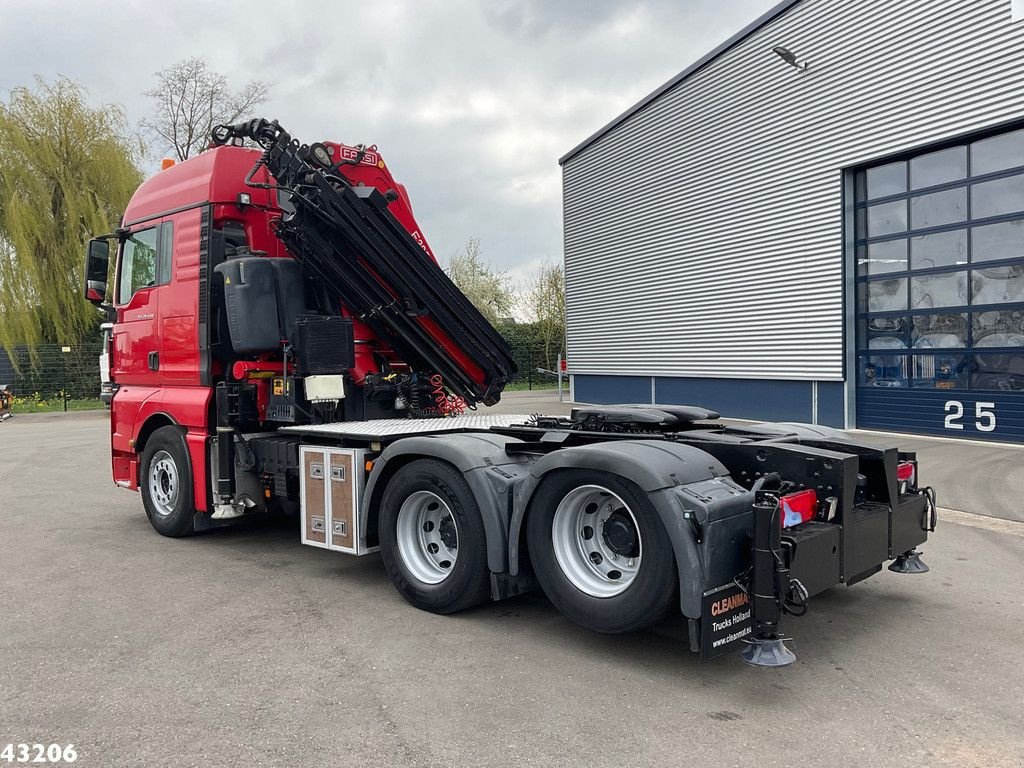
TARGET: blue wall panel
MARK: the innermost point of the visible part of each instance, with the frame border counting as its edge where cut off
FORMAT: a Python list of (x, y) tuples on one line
[(612, 389), (740, 398), (831, 403), (758, 399)]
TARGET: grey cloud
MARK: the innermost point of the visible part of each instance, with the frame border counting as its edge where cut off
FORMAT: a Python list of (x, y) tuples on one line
[(471, 103), (534, 17)]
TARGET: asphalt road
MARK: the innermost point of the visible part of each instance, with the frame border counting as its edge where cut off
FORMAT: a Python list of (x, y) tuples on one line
[(244, 648)]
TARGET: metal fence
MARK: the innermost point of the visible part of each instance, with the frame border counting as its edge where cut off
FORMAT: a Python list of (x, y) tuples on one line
[(67, 378), (536, 370), (53, 378)]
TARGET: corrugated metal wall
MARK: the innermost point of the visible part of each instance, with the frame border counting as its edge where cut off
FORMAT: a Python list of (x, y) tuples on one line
[(703, 236)]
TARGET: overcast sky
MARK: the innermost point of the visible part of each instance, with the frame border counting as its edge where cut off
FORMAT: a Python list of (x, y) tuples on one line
[(470, 103)]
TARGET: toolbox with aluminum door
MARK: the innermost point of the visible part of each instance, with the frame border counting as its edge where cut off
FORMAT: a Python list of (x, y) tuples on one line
[(331, 488)]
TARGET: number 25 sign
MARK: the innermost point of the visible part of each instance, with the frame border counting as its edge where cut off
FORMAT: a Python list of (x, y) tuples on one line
[(984, 416)]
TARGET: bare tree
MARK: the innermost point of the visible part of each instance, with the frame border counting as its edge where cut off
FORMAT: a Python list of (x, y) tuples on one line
[(189, 99), (544, 302), (486, 288)]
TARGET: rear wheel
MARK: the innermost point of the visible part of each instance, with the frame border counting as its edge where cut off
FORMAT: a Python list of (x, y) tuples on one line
[(600, 551), (432, 538), (166, 483)]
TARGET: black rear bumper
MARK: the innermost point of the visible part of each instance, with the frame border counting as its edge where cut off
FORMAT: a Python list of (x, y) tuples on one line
[(811, 558), (822, 555)]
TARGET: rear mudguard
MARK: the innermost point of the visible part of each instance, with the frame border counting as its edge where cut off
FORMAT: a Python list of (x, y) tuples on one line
[(481, 458), (679, 480)]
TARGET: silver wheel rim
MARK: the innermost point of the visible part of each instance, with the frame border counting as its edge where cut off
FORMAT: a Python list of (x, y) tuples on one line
[(587, 533), (163, 483), (428, 537)]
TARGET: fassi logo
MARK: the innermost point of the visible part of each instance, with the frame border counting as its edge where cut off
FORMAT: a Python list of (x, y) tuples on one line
[(349, 154), (422, 243)]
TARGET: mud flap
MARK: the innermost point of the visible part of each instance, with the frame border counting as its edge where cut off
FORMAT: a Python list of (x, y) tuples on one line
[(725, 620)]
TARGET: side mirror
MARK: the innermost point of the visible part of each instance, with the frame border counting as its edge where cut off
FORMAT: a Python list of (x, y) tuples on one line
[(97, 263)]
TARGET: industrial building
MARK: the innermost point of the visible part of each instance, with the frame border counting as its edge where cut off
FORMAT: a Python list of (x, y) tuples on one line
[(822, 220)]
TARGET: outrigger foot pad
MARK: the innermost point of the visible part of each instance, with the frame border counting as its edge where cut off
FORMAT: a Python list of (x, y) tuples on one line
[(767, 653), (908, 562)]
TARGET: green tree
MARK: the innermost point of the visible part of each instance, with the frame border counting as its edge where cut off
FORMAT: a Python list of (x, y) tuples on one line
[(67, 170), (544, 302), (486, 287)]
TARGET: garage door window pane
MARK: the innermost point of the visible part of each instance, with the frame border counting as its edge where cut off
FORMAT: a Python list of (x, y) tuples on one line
[(938, 208), (940, 371), (887, 218), (881, 258), (998, 241), (887, 342), (998, 328), (939, 331), (998, 197), (997, 285), (927, 291), (890, 332), (887, 371), (941, 249), (886, 295), (887, 180), (1004, 372), (997, 153), (938, 168)]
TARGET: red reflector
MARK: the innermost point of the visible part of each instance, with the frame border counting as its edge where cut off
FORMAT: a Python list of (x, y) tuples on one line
[(798, 507), (905, 472)]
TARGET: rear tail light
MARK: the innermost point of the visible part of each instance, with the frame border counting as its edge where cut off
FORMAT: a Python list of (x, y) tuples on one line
[(798, 507), (906, 475)]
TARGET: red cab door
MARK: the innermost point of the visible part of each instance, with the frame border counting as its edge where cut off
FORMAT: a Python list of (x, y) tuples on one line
[(140, 277)]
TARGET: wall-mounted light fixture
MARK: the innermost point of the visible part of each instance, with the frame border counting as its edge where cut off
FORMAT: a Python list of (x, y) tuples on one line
[(789, 57)]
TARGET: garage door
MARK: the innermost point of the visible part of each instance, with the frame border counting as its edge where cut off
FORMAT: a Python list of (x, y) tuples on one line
[(940, 291)]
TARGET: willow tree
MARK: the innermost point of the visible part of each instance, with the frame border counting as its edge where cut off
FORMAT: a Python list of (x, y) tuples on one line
[(67, 170)]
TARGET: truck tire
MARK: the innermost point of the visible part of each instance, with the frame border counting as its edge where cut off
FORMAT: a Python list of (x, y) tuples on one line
[(166, 483), (600, 551), (432, 538)]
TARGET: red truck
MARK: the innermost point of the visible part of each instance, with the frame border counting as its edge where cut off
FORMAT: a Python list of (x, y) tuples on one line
[(284, 341)]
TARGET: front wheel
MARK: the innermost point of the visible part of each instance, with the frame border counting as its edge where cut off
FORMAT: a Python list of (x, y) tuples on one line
[(166, 483), (432, 538), (600, 551)]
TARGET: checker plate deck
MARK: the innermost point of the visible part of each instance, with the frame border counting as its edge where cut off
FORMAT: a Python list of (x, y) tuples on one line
[(387, 429)]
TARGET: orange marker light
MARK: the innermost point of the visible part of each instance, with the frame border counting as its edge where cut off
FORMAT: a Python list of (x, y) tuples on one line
[(166, 163)]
